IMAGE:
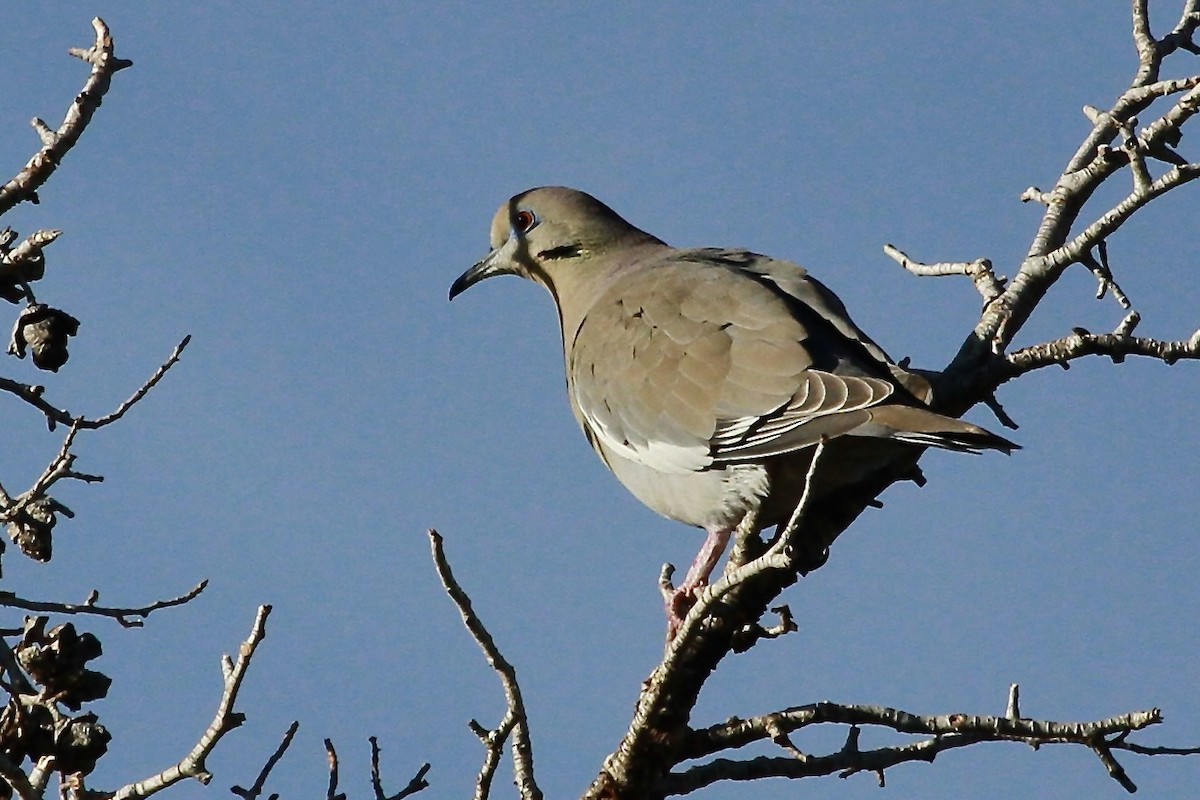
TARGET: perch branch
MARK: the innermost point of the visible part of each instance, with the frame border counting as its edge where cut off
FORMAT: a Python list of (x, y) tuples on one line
[(711, 629)]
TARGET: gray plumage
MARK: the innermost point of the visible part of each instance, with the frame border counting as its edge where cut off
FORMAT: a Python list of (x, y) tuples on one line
[(703, 378)]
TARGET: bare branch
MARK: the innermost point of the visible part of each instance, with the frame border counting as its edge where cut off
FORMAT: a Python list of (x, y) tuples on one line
[(59, 468), (17, 780), (1142, 750), (1055, 247), (1116, 346), (254, 791), (416, 784), (522, 750), (753, 633), (158, 375), (1115, 770), (32, 394), (1001, 415), (493, 748), (1074, 250), (739, 733), (226, 719), (1104, 277), (55, 144), (127, 617), (1147, 48), (980, 271), (949, 731), (332, 793)]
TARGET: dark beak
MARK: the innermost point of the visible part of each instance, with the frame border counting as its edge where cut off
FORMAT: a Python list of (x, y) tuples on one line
[(486, 268)]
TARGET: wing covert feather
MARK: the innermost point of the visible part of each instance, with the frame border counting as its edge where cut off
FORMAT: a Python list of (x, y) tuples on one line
[(688, 363)]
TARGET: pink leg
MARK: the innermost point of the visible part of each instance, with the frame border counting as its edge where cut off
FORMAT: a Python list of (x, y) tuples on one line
[(680, 600)]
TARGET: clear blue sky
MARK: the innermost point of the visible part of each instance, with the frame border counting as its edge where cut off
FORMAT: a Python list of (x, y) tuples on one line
[(296, 185)]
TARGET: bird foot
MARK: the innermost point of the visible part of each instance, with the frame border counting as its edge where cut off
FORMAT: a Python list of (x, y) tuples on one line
[(678, 603)]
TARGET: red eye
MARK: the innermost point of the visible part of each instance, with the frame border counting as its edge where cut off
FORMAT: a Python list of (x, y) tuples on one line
[(524, 220)]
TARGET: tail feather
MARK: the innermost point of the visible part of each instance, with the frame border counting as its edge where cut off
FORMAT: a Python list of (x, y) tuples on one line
[(920, 426)]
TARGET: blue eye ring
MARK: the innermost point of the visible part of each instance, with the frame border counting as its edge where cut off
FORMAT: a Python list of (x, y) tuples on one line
[(524, 220)]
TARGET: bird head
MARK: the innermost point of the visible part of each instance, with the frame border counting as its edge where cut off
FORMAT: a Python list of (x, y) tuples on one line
[(549, 235)]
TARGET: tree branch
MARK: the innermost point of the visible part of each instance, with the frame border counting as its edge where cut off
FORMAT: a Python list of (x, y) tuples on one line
[(980, 366), (949, 731), (515, 718), (125, 616), (331, 792), (254, 791), (415, 784), (32, 394), (55, 144), (158, 375), (709, 632), (17, 780), (980, 271), (1061, 352), (226, 719)]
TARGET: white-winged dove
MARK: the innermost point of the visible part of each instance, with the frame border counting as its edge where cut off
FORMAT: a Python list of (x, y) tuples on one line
[(704, 378)]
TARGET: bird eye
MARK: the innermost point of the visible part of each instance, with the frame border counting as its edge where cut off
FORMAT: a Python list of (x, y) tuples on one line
[(524, 220)]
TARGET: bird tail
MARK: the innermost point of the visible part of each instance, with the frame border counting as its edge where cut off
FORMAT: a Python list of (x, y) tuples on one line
[(920, 426)]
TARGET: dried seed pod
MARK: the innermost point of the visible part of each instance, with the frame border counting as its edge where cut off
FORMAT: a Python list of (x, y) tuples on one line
[(44, 331)]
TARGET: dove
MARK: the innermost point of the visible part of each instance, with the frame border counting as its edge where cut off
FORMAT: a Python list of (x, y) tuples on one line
[(705, 378)]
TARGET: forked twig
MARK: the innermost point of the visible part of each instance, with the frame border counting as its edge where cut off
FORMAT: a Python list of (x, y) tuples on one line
[(516, 718), (225, 720)]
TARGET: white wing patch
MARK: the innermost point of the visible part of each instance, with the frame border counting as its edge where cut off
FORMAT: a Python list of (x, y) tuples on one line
[(653, 453)]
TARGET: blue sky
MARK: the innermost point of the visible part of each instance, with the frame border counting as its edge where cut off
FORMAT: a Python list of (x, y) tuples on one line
[(296, 185)]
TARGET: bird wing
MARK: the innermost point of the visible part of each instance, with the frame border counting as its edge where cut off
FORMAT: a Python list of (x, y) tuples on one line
[(704, 358)]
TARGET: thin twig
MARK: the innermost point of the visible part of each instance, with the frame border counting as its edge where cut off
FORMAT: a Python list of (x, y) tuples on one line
[(125, 616), (225, 720), (416, 784), (331, 793), (254, 791), (32, 394), (144, 390), (980, 271), (522, 749)]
